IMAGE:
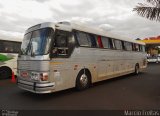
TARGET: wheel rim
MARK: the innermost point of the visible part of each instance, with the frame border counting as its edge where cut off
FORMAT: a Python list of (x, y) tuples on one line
[(84, 80)]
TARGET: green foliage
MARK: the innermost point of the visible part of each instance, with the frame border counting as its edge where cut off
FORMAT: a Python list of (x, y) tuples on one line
[(4, 58)]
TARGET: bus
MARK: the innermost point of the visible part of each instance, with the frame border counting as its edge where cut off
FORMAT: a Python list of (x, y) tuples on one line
[(9, 49), (59, 56)]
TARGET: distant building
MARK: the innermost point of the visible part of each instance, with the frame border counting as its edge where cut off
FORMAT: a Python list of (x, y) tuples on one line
[(152, 45)]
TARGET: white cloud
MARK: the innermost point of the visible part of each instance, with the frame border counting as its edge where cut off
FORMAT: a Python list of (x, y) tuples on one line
[(106, 27), (8, 34), (28, 9), (112, 15), (82, 19)]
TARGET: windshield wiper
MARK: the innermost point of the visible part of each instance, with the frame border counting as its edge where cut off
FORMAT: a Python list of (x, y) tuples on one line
[(32, 53), (28, 47)]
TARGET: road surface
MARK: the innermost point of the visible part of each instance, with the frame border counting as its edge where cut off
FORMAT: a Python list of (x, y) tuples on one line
[(127, 92)]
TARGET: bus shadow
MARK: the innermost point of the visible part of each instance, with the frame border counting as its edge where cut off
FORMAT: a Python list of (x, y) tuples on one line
[(72, 91), (48, 95), (116, 79)]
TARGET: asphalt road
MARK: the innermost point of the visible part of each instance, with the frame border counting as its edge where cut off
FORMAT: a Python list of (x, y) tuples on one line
[(127, 92)]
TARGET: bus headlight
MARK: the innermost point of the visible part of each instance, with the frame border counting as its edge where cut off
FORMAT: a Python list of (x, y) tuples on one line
[(39, 76), (44, 76)]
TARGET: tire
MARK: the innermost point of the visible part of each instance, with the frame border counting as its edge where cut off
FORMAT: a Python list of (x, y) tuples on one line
[(136, 69), (5, 72), (83, 80)]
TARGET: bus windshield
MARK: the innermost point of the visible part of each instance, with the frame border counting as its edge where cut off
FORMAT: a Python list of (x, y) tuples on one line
[(37, 42)]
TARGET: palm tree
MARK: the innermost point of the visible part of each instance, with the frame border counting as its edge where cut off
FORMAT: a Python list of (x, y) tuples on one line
[(150, 11)]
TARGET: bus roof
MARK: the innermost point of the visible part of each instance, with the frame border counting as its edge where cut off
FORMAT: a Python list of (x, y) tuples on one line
[(97, 31), (69, 26)]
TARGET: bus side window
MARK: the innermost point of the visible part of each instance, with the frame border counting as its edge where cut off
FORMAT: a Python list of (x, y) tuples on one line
[(111, 43), (60, 46), (137, 47), (106, 42), (7, 47), (83, 39), (10, 46), (63, 44), (124, 45), (61, 41), (118, 44), (143, 48), (100, 42), (128, 46), (93, 40), (1, 46), (133, 47)]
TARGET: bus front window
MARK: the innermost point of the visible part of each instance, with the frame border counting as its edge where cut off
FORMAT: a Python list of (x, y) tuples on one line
[(63, 44), (37, 42)]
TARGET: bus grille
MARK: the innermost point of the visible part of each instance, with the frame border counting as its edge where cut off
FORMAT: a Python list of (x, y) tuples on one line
[(33, 65)]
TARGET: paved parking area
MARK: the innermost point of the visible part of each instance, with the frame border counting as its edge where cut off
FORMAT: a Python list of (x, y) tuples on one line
[(127, 92)]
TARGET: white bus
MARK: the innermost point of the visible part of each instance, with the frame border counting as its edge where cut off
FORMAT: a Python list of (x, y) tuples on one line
[(58, 56), (9, 49)]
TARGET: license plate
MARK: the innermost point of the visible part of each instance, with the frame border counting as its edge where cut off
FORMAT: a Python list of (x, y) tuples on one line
[(24, 74)]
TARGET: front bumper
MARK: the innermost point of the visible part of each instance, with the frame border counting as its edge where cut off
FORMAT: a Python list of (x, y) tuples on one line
[(36, 87)]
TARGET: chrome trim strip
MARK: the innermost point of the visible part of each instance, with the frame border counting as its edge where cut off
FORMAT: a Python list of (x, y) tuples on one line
[(43, 85), (33, 70), (39, 92), (25, 82)]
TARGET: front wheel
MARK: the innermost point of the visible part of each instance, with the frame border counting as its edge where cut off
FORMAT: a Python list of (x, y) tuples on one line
[(83, 80)]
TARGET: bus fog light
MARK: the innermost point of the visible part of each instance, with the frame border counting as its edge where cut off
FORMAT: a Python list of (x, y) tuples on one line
[(44, 77)]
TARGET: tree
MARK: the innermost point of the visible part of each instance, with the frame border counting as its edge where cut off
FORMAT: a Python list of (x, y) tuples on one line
[(150, 11)]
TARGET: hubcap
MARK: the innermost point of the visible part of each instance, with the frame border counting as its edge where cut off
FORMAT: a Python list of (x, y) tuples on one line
[(83, 80)]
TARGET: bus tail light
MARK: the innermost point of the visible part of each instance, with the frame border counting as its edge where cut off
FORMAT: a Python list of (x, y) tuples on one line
[(44, 76)]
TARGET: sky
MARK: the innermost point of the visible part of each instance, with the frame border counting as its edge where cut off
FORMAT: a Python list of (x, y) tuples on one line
[(114, 16)]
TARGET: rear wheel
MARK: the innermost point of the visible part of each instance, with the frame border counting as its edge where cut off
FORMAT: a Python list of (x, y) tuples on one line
[(83, 80), (5, 72)]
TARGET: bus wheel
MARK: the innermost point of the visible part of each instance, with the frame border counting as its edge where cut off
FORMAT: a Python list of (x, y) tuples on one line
[(83, 80), (5, 72), (137, 69)]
